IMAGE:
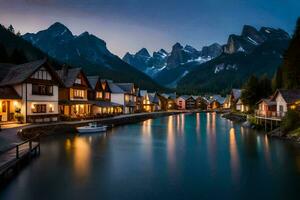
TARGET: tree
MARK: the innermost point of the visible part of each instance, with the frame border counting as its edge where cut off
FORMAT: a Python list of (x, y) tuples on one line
[(18, 57), (3, 54), (18, 34), (11, 29), (249, 94), (256, 89), (277, 79), (291, 63)]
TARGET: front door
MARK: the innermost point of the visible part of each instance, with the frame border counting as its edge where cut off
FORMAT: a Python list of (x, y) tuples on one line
[(4, 111)]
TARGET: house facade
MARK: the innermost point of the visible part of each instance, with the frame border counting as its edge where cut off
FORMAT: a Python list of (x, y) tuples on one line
[(29, 92), (241, 106), (266, 108), (286, 100), (100, 98), (168, 101), (73, 96)]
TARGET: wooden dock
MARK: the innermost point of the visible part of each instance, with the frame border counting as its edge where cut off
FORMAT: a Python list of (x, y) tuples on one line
[(14, 158)]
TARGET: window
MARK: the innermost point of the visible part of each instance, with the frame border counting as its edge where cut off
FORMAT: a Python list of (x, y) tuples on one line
[(42, 74), (107, 95), (99, 95), (78, 93), (39, 108), (3, 106), (42, 89), (281, 108), (78, 81)]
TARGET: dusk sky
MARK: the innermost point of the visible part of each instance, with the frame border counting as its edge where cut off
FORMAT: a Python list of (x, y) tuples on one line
[(129, 25)]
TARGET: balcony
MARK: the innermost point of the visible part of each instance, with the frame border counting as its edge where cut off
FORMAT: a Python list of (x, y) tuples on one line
[(276, 115)]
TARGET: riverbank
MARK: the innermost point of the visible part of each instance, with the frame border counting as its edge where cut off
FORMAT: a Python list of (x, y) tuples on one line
[(276, 133), (70, 126), (234, 116)]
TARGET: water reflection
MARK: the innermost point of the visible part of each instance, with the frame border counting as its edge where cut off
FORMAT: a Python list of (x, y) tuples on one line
[(234, 157), (171, 142), (211, 141)]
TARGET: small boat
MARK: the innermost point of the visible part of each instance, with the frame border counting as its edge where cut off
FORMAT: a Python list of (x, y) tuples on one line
[(92, 128)]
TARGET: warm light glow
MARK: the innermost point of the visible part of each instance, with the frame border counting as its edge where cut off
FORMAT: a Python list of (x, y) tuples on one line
[(234, 158), (82, 153), (15, 103), (293, 107)]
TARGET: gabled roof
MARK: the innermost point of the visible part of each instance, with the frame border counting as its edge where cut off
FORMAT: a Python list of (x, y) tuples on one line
[(143, 93), (93, 80), (269, 102), (289, 96), (236, 93), (69, 76), (153, 98), (114, 88), (126, 87), (185, 97), (19, 73), (8, 92), (4, 69)]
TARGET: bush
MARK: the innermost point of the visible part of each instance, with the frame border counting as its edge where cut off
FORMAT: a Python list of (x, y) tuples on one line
[(291, 121)]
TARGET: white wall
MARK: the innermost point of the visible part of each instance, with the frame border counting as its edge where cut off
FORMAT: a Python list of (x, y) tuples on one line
[(182, 104), (281, 102), (117, 98)]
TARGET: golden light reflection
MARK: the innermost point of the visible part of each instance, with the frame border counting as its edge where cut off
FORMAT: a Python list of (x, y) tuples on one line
[(198, 126), (211, 141), (82, 156), (171, 143), (267, 152), (146, 128), (234, 157), (68, 145)]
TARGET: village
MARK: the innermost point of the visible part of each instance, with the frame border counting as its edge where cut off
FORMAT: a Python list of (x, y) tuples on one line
[(35, 92)]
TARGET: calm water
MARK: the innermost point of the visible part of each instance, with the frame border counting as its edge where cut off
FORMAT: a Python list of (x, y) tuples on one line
[(196, 156)]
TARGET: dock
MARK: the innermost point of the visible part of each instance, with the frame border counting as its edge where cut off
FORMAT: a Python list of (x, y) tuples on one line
[(16, 157)]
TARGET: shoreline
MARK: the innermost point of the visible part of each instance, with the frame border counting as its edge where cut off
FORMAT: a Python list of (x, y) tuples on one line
[(275, 133), (33, 130)]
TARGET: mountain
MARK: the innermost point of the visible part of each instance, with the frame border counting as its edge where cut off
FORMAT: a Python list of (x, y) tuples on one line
[(168, 68), (252, 52), (250, 38), (88, 52)]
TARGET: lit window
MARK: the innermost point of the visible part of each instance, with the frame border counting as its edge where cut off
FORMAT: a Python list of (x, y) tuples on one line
[(99, 95)]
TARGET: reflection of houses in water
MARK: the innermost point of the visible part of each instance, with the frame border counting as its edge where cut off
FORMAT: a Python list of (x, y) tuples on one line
[(234, 157)]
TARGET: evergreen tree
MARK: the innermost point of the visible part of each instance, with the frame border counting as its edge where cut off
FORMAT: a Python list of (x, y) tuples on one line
[(3, 54), (277, 79), (18, 57), (291, 64), (250, 91), (11, 29), (265, 87)]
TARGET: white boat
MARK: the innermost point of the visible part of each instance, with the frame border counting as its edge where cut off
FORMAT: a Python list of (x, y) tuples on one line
[(91, 128)]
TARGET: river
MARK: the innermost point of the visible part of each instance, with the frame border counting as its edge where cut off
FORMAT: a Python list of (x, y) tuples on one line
[(186, 156)]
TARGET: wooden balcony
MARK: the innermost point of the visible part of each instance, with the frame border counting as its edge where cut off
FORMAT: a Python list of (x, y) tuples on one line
[(271, 115)]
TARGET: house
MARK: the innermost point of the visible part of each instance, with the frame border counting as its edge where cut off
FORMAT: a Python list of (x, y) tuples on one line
[(100, 98), (180, 102), (215, 102), (125, 95), (29, 92), (234, 96), (201, 103), (73, 97), (227, 102), (266, 108), (145, 103), (241, 106), (156, 103), (168, 101), (286, 100)]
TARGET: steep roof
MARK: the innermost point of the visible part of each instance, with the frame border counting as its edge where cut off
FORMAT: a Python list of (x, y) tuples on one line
[(114, 88), (126, 87), (290, 96), (19, 73), (143, 93), (4, 69), (69, 77), (236, 93), (267, 101), (8, 92), (185, 97), (153, 98)]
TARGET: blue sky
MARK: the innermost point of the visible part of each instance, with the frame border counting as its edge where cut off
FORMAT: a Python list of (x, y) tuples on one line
[(129, 25)]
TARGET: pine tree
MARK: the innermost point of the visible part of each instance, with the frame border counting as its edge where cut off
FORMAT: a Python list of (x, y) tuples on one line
[(291, 64), (249, 94), (18, 57), (3, 54), (11, 29)]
